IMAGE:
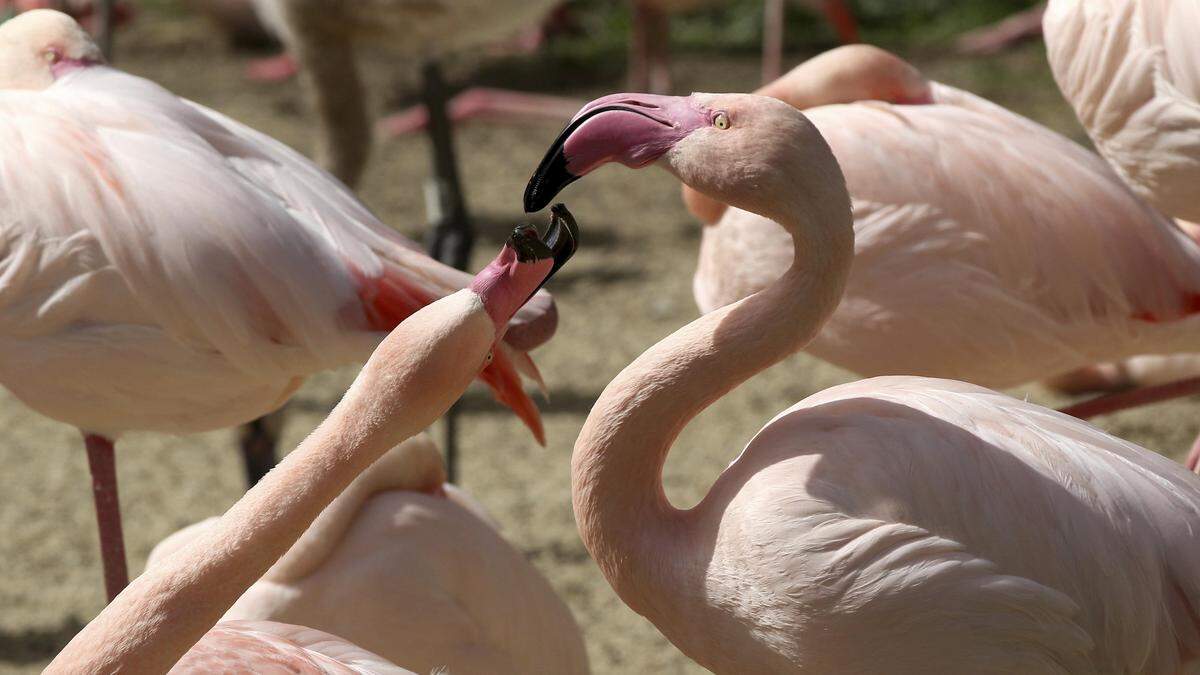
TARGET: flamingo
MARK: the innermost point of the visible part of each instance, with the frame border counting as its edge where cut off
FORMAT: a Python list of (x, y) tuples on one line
[(649, 65), (999, 253), (412, 378), (897, 524), (323, 37), (400, 537), (165, 268), (1131, 71)]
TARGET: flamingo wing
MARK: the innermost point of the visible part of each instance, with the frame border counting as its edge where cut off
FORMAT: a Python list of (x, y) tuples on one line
[(905, 507), (997, 252), (226, 239), (269, 647), (1132, 73)]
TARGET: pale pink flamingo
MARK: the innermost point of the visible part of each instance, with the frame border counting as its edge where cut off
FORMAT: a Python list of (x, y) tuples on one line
[(165, 268), (998, 253), (1131, 70), (398, 538), (649, 42), (323, 38), (900, 524), (412, 378)]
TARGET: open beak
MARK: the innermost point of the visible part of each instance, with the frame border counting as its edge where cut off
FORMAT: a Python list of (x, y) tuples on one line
[(558, 244), (633, 129)]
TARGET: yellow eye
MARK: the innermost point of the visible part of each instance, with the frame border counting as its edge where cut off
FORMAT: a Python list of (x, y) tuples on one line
[(52, 56), (721, 121), (488, 360)]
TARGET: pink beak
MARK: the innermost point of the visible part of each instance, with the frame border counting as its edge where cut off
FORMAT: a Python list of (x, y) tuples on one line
[(633, 129)]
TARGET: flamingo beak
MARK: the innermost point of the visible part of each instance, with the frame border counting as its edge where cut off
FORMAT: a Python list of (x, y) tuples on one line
[(633, 129), (527, 261)]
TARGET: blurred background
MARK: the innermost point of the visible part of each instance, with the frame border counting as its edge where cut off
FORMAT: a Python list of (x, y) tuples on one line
[(631, 280)]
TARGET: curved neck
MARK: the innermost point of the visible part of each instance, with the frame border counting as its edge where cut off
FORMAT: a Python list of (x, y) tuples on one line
[(623, 514), (410, 381)]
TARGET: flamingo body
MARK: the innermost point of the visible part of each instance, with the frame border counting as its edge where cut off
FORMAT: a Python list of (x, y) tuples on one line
[(1132, 73), (168, 269), (269, 647), (955, 528), (414, 570), (999, 252)]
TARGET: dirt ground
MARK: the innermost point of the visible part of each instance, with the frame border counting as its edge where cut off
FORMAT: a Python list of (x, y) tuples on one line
[(629, 286)]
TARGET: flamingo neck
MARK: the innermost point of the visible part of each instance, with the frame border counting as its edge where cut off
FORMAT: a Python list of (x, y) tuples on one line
[(411, 380), (636, 536)]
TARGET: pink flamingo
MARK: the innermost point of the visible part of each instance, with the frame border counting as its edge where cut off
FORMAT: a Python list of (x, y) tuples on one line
[(398, 538), (1131, 70), (998, 253), (323, 37), (899, 524), (414, 375), (167, 269), (649, 44)]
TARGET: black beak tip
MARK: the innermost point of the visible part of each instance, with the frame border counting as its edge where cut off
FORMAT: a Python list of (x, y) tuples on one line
[(549, 179)]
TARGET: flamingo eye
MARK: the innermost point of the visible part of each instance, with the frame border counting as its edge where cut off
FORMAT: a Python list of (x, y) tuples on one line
[(721, 120), (52, 56), (487, 361)]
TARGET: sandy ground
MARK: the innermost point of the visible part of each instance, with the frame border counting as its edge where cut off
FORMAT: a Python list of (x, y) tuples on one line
[(629, 286)]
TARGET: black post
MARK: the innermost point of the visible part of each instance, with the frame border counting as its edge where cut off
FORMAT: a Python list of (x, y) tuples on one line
[(450, 236)]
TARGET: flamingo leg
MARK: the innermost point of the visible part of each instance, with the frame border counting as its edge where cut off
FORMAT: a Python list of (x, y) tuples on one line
[(1110, 403), (999, 36), (772, 43), (1193, 456), (649, 50), (840, 16), (485, 104), (105, 22), (103, 465)]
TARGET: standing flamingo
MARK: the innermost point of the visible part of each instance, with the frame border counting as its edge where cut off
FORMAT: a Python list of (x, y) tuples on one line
[(411, 380), (1131, 70), (323, 37), (398, 538), (164, 268), (650, 39), (998, 253), (900, 524)]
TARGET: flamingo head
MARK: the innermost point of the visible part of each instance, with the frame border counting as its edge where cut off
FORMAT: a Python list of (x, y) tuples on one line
[(524, 265), (748, 151), (40, 46)]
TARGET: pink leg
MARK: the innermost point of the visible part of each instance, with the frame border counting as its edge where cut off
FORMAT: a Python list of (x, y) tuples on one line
[(279, 68), (1193, 456), (649, 51), (838, 13), (1111, 403), (102, 461), (772, 61), (482, 103), (999, 36)]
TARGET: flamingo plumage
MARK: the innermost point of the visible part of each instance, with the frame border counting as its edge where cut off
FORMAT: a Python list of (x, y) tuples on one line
[(998, 252), (1131, 71), (897, 524), (165, 268), (411, 379), (399, 538)]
